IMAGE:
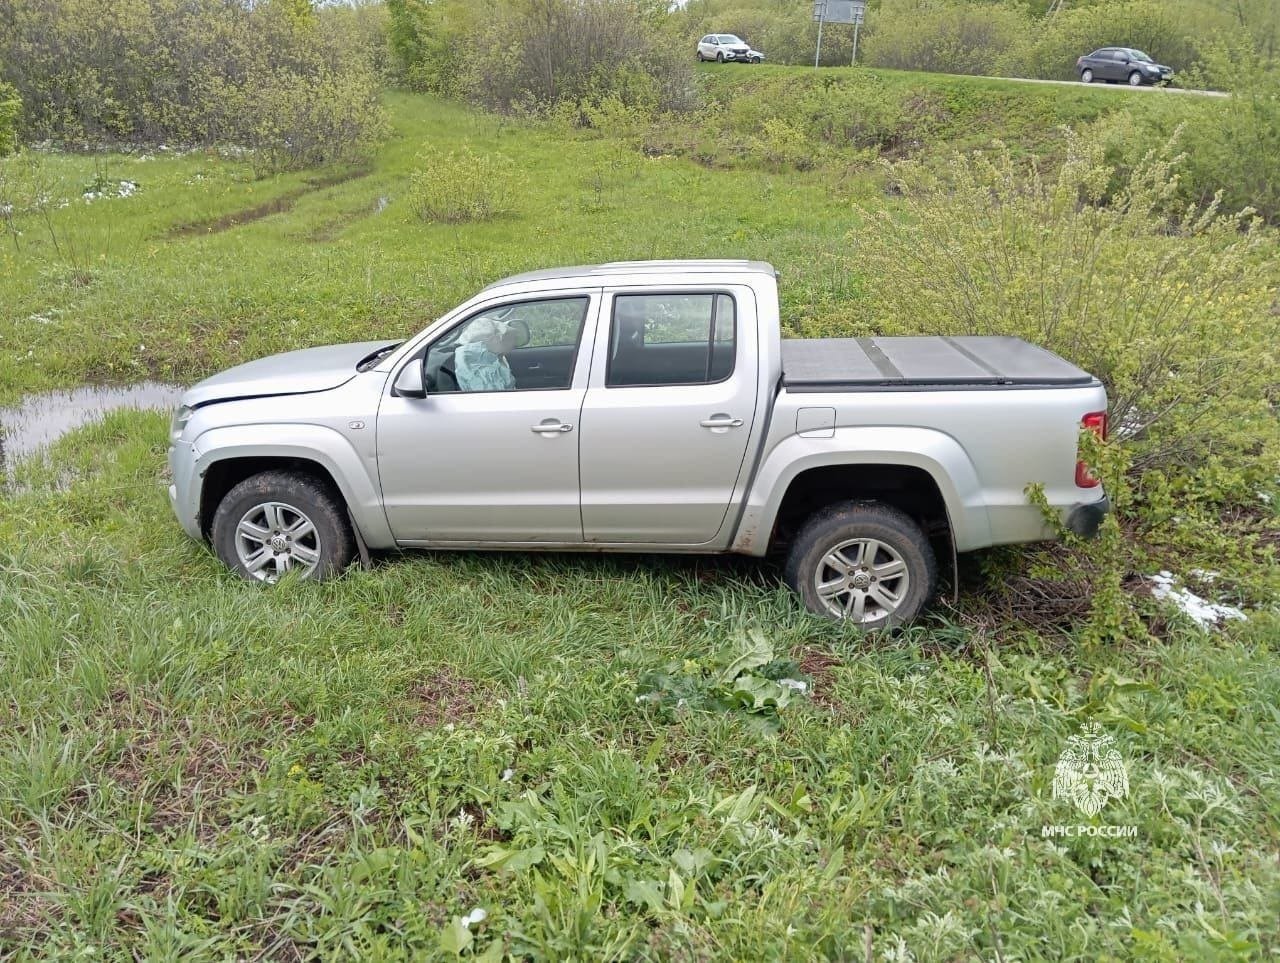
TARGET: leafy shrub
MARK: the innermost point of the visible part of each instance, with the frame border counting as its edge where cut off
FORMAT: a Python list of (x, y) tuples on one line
[(783, 31), (827, 117), (745, 676), (10, 110), (459, 186), (1171, 307), (1232, 145), (1050, 51), (781, 145), (301, 120), (291, 80), (944, 37), (533, 54)]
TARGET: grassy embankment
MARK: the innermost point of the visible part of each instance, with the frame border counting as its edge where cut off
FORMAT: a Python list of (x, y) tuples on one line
[(191, 766)]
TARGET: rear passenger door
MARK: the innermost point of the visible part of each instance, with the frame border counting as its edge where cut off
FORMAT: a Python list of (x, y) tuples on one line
[(1113, 64), (669, 409)]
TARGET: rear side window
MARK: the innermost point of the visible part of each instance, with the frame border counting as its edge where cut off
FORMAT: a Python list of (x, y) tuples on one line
[(671, 339)]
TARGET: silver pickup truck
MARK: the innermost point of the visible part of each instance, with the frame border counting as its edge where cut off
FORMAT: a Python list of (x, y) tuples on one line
[(641, 407)]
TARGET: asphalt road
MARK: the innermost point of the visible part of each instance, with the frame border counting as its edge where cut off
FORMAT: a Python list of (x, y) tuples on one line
[(1103, 85)]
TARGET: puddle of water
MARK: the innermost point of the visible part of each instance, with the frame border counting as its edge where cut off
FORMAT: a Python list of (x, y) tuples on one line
[(41, 419)]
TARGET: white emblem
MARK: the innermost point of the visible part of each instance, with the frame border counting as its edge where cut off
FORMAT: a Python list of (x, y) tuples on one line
[(1090, 771)]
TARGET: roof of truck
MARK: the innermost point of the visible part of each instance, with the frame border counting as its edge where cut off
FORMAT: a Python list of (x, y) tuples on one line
[(601, 272)]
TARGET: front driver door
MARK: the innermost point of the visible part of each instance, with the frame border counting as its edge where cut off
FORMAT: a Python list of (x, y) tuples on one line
[(491, 453)]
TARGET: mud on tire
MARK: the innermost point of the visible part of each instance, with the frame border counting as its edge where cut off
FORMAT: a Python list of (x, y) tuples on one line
[(277, 521), (862, 561)]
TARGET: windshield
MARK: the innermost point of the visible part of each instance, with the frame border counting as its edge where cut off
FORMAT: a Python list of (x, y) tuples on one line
[(729, 38), (1139, 56)]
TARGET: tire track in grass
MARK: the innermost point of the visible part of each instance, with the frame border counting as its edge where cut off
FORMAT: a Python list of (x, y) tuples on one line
[(277, 205)]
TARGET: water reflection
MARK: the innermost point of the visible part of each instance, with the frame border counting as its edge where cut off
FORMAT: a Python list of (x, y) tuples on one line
[(41, 419)]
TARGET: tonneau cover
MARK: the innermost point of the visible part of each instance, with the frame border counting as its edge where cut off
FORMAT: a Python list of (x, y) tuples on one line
[(833, 363)]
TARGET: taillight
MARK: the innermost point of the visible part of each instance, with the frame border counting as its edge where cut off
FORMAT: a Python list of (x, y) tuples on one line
[(1095, 421)]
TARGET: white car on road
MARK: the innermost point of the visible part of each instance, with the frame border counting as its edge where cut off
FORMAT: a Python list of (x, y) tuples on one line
[(726, 46)]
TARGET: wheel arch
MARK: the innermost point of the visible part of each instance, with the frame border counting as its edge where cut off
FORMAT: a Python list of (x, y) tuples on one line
[(937, 472), (226, 456)]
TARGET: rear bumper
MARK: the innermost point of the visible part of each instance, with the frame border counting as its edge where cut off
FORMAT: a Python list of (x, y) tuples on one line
[(1085, 520)]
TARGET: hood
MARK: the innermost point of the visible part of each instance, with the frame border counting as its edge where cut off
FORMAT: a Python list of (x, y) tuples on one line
[(291, 373)]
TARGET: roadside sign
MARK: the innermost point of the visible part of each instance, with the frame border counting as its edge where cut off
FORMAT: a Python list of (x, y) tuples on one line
[(838, 11)]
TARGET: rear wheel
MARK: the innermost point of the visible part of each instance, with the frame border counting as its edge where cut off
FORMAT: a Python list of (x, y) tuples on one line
[(1135, 79), (863, 562), (1086, 76), (277, 522)]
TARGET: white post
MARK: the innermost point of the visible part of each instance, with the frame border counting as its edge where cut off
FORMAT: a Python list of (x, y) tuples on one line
[(854, 60), (822, 15)]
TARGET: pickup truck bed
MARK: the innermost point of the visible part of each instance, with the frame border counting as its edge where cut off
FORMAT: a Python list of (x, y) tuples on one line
[(827, 364)]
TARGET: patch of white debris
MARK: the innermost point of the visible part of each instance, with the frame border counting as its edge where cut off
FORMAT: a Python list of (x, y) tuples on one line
[(1206, 614), (118, 189)]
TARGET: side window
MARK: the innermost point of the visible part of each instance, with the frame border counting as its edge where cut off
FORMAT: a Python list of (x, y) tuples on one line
[(671, 339), (529, 345)]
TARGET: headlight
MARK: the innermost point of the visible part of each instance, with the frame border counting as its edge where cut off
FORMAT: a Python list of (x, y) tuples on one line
[(180, 419)]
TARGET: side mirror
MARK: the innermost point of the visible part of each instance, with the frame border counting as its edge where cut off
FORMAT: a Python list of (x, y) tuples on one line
[(409, 382)]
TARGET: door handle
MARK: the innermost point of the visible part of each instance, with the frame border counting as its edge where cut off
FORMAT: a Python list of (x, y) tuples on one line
[(721, 421), (551, 428)]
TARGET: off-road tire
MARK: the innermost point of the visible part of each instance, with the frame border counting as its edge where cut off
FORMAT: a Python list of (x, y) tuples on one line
[(307, 496), (839, 523)]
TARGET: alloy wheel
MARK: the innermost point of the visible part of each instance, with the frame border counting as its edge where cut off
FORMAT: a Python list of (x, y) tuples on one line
[(273, 538), (862, 579)]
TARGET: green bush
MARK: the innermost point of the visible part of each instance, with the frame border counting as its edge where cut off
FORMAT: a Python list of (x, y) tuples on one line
[(10, 112), (946, 37), (458, 186), (1051, 49), (533, 54), (1232, 145), (299, 120), (783, 31), (294, 81), (1170, 307)]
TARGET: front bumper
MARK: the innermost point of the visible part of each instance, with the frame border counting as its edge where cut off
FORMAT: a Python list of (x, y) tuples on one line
[(1085, 520), (184, 493)]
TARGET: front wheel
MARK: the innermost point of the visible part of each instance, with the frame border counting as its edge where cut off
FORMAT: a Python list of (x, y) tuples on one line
[(1135, 79), (1086, 76), (277, 522), (862, 562), (720, 58)]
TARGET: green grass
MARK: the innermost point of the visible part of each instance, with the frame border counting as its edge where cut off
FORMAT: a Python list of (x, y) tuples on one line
[(334, 267), (194, 767)]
